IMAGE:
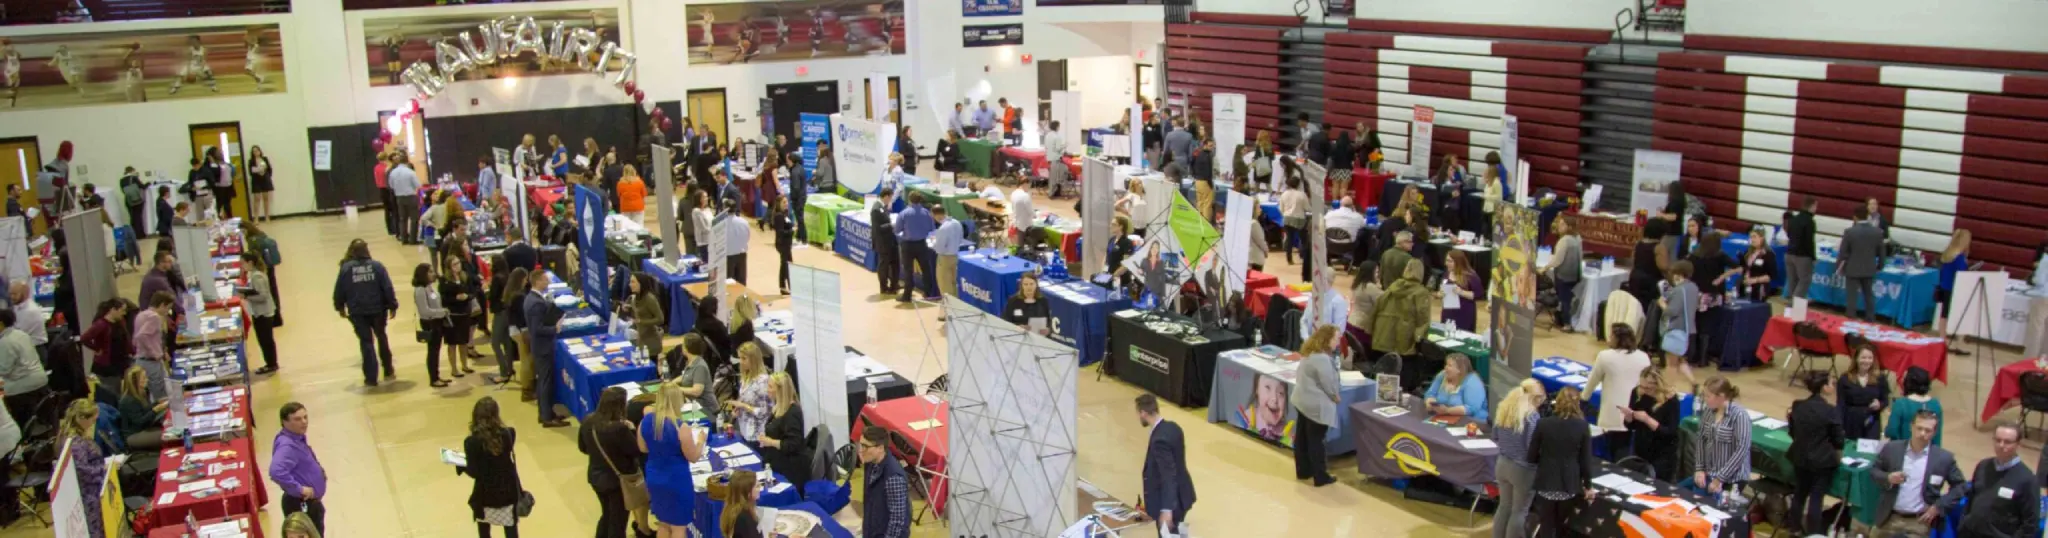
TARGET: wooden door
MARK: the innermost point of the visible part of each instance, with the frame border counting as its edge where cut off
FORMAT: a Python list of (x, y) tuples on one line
[(227, 137), (20, 159), (707, 108)]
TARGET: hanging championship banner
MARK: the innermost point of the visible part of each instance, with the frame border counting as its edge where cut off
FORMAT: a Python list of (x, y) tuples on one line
[(1424, 132), (861, 148), (991, 8), (991, 35)]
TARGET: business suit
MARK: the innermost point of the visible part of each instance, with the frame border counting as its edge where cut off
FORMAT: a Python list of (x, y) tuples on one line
[(1858, 263), (1940, 473), (1168, 488), (1315, 403), (1562, 450), (1815, 453)]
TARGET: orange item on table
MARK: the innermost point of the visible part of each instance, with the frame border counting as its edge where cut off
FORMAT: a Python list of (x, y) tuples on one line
[(1668, 521)]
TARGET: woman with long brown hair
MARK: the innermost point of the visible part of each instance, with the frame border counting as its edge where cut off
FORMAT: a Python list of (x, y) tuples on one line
[(1863, 393), (461, 294), (1464, 281), (512, 316), (494, 497), (739, 520), (782, 443), (76, 436)]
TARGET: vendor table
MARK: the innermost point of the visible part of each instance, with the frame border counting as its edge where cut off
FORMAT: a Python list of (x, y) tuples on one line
[(1035, 158), (2005, 390), (1594, 286), (1254, 280), (1897, 350), (216, 413), (864, 375), (1410, 444), (976, 154), (1768, 459), (988, 278), (241, 523), (1732, 330), (692, 291), (854, 240), (821, 214), (1080, 316), (587, 364), (1904, 295), (1602, 517), (720, 452), (587, 320), (1367, 187), (1556, 373), (776, 330), (932, 193), (1250, 380), (1481, 258), (237, 458), (217, 325), (918, 427), (1435, 345), (1176, 368), (1065, 234), (1258, 300), (46, 290), (215, 365), (674, 301)]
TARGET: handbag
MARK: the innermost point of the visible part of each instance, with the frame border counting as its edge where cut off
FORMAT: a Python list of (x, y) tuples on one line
[(631, 486), (1676, 341), (524, 507)]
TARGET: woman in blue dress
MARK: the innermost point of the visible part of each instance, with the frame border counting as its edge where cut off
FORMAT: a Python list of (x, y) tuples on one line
[(1954, 259), (671, 445)]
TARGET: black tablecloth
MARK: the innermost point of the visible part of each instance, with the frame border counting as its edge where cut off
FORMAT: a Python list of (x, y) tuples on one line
[(1178, 370), (857, 392), (1732, 332), (1601, 518), (1482, 262)]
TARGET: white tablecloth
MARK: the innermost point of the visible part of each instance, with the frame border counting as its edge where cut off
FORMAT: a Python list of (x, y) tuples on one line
[(777, 330), (1594, 286)]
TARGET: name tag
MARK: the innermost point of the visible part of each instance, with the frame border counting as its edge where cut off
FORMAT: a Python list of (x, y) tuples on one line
[(1020, 313), (1934, 479), (2005, 493)]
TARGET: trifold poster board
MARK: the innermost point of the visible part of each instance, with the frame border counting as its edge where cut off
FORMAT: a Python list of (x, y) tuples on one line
[(820, 357)]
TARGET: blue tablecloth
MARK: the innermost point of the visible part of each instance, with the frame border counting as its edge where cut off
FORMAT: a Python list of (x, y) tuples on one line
[(855, 240), (1736, 246), (577, 387), (988, 278), (1733, 331), (1270, 212), (1556, 373), (46, 290), (1080, 316), (556, 288), (1905, 296), (708, 510), (681, 314)]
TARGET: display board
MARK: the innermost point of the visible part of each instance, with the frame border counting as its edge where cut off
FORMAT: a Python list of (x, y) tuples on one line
[(1011, 433), (1137, 135), (1227, 127), (1510, 153), (1096, 201), (860, 149), (1237, 239), (813, 128), (192, 244), (665, 206), (593, 267), (820, 357), (1512, 300), (1421, 135), (720, 252), (14, 249), (1655, 171)]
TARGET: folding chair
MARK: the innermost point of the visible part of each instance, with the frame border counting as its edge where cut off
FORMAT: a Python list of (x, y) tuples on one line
[(1812, 345)]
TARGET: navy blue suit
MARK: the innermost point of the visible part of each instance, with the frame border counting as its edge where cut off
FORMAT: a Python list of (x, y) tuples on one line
[(1167, 484)]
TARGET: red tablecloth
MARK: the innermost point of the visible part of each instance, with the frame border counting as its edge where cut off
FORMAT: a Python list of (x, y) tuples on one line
[(1257, 299), (1895, 356), (248, 497), (1034, 156), (927, 448), (238, 403), (1073, 168), (545, 197), (1254, 280), (177, 530), (1070, 246), (1366, 187), (2006, 389)]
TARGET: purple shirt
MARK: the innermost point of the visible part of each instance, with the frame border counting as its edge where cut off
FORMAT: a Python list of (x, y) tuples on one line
[(292, 465), (149, 335)]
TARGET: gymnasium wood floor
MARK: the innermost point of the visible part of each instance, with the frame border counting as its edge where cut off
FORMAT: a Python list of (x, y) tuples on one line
[(380, 446)]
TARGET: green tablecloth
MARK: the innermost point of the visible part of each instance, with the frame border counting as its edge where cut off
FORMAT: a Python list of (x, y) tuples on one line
[(977, 154), (952, 203), (1482, 358), (821, 214), (1768, 459)]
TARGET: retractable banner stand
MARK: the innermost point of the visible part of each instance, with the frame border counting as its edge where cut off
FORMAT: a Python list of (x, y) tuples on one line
[(514, 189), (14, 249), (719, 252), (665, 207), (861, 149), (813, 128), (814, 301), (595, 273), (1227, 126), (1314, 174), (1655, 171), (1512, 300), (1138, 135), (1096, 175), (1510, 151), (1237, 239), (1421, 136)]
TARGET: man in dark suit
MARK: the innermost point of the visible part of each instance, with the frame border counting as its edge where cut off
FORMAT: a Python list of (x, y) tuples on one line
[(1169, 491), (1914, 474), (1858, 263)]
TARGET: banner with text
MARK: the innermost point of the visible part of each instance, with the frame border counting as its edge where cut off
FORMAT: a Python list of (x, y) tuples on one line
[(1655, 171), (590, 212), (814, 301), (861, 150), (1227, 121), (1419, 141), (813, 128), (1512, 301), (991, 8), (1510, 152), (991, 35)]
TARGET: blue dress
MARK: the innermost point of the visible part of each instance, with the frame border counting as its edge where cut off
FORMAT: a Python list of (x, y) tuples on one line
[(669, 487)]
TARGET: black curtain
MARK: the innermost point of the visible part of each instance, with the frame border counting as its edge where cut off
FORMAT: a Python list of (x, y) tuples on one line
[(791, 101), (458, 141), (352, 162)]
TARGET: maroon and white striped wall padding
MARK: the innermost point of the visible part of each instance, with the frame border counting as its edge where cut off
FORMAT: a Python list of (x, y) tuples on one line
[(1376, 79), (1939, 148), (1228, 53)]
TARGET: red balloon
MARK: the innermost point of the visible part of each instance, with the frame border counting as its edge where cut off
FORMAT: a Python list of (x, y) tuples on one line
[(639, 96), (659, 113), (667, 124), (630, 88), (377, 146)]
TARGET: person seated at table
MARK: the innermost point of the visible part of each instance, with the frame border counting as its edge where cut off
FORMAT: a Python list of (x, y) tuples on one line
[(1514, 425), (1028, 307), (141, 417), (1915, 401), (1816, 450), (1563, 455), (744, 311), (1652, 420), (1759, 265), (1457, 390), (711, 329), (783, 442), (749, 411), (1864, 392), (1345, 217), (740, 493), (1912, 474), (1617, 370), (671, 444), (948, 156), (1721, 449)]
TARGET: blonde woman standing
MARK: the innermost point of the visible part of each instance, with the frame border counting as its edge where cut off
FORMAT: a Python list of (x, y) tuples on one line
[(1617, 369), (671, 444), (75, 437), (782, 443), (1514, 424), (750, 410), (1315, 398)]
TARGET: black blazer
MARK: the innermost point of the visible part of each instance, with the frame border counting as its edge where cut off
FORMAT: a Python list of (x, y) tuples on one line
[(497, 477), (1563, 454), (1016, 311), (1816, 435), (1167, 484)]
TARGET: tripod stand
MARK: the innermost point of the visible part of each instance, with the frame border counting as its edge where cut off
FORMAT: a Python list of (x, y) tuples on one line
[(1980, 328)]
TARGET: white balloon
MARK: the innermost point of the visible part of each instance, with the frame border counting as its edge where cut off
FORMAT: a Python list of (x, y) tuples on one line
[(527, 38), (451, 59), (423, 79), (487, 53), (580, 43)]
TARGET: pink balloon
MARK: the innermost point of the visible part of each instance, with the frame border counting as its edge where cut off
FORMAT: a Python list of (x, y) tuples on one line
[(667, 124), (659, 113), (639, 96), (377, 146), (630, 87)]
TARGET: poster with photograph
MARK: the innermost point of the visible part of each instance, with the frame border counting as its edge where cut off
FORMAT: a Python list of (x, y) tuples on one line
[(799, 30), (79, 69), (1655, 171), (394, 43), (1266, 413), (1512, 301)]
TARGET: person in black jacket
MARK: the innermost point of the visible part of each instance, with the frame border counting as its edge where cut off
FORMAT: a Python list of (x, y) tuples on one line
[(521, 255), (494, 498), (784, 223), (1799, 231), (2005, 498), (1816, 450), (783, 441), (883, 237), (1652, 420), (1169, 490), (1562, 450), (508, 306), (165, 212), (1028, 307), (613, 448), (948, 154), (363, 294), (907, 147)]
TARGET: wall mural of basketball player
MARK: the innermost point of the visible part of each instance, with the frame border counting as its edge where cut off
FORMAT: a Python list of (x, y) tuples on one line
[(730, 33), (77, 69), (11, 70), (195, 67)]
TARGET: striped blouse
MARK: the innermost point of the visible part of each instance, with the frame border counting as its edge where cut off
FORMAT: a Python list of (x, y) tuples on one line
[(1514, 445), (1723, 446)]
